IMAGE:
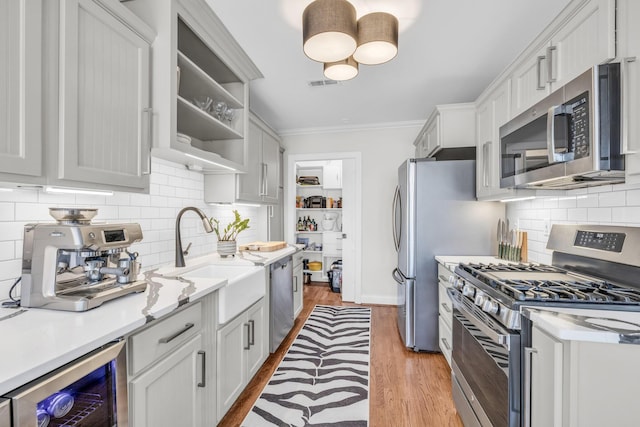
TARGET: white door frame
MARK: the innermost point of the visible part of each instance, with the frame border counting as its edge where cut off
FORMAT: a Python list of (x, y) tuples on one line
[(290, 197)]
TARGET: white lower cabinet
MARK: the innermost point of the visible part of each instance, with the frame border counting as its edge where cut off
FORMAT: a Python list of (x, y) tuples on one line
[(242, 348), (167, 371), (171, 393), (580, 383), (445, 312)]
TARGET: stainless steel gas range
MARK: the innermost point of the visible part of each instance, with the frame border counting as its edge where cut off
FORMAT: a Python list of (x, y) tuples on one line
[(595, 267)]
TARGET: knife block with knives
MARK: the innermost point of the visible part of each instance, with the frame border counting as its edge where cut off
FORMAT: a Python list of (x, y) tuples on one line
[(512, 244)]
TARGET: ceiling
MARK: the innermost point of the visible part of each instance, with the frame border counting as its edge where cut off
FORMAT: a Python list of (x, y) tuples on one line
[(449, 51)]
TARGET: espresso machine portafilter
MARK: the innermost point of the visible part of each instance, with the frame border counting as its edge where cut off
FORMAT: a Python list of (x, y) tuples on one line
[(75, 265)]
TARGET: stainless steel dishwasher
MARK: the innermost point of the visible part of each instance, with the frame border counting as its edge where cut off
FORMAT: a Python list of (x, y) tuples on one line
[(280, 301)]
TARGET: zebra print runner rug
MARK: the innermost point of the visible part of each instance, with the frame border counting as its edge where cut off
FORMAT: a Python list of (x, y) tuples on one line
[(323, 379)]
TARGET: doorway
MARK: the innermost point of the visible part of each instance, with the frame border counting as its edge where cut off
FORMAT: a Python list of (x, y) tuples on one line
[(342, 238)]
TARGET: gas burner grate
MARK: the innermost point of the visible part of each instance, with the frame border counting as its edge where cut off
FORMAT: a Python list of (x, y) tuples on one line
[(541, 290)]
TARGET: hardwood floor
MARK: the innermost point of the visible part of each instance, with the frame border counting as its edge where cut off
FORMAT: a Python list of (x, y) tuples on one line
[(407, 389)]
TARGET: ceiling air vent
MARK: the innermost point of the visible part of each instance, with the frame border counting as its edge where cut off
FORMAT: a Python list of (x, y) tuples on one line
[(326, 82)]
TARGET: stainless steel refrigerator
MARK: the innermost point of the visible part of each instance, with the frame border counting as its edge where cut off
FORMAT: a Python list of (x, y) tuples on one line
[(435, 212)]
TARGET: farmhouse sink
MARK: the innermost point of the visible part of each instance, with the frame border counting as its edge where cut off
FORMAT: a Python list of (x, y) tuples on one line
[(245, 286)]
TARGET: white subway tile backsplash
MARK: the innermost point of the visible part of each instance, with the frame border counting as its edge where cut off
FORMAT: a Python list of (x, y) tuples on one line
[(7, 211), (589, 201), (615, 198), (633, 198), (155, 212), (599, 215), (7, 250), (607, 205), (630, 215)]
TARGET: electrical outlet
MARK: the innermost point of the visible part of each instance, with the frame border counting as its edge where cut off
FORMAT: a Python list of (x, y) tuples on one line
[(547, 227)]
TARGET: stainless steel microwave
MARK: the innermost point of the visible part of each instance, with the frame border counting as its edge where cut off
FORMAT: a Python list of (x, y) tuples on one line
[(570, 139)]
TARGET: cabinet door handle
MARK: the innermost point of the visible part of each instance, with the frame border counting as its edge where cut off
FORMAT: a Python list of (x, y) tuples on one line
[(263, 190), (248, 341), (295, 283), (485, 163), (203, 361), (526, 405), (445, 343), (539, 82), (551, 78), (171, 337), (145, 149), (252, 328), (446, 307)]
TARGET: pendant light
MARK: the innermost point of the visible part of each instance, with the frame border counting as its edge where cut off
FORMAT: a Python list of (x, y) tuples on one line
[(341, 70), (329, 30), (377, 38)]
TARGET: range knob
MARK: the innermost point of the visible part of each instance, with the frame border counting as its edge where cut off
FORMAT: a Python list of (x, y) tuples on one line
[(458, 283), (452, 279), (480, 298), (490, 306), (468, 291)]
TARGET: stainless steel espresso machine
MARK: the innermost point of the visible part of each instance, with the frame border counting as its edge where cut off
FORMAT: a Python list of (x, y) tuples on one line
[(75, 265)]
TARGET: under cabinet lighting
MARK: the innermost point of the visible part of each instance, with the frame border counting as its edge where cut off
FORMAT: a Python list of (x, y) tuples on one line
[(518, 199), (60, 190), (210, 162), (6, 190)]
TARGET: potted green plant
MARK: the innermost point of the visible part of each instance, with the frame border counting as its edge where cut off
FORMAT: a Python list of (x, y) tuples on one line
[(227, 244)]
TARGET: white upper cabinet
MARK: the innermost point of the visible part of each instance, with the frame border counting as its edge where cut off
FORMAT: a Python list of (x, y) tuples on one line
[(629, 53), (448, 126), (21, 90), (76, 93), (586, 36), (493, 111), (261, 182), (195, 56), (105, 119)]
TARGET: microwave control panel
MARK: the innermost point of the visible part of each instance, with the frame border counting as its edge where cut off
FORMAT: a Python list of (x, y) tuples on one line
[(579, 125)]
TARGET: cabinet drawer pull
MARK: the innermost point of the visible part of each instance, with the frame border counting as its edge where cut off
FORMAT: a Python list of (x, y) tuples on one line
[(252, 324), (248, 340), (177, 334), (295, 283), (445, 343), (446, 307), (203, 381)]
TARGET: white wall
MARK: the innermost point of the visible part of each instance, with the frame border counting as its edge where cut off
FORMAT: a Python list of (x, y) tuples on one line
[(605, 205), (173, 187), (382, 152)]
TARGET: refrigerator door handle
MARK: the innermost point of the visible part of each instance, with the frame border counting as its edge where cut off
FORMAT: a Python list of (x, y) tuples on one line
[(398, 276), (396, 205)]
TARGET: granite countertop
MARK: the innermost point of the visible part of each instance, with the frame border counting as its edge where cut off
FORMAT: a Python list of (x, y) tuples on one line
[(573, 324), (37, 341)]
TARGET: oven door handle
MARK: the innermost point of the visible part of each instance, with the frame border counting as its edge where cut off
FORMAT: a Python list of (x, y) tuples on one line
[(499, 337)]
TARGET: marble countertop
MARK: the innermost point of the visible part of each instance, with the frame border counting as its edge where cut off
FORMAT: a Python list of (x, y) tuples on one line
[(573, 324), (37, 341)]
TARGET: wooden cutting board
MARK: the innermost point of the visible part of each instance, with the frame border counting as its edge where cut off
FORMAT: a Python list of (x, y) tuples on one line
[(264, 246)]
